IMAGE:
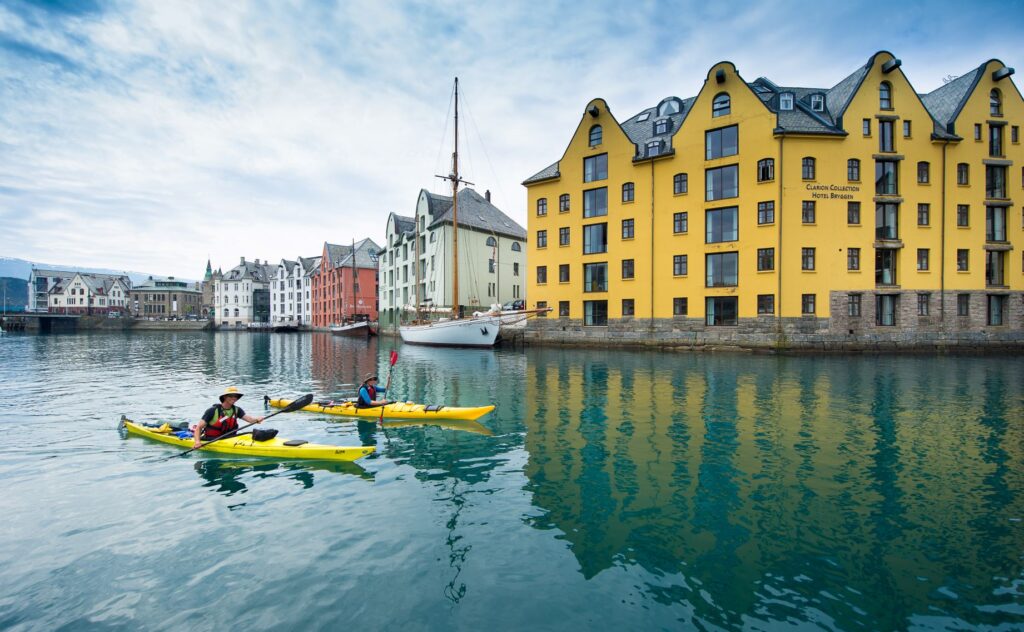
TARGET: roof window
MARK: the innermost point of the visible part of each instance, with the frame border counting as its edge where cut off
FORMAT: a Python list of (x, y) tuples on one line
[(643, 117), (786, 101), (669, 106), (818, 102)]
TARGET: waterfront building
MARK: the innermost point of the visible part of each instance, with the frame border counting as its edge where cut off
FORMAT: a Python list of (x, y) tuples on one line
[(492, 257), (42, 280), (242, 296), (344, 286), (290, 292), (210, 279), (84, 293), (861, 213), (166, 298)]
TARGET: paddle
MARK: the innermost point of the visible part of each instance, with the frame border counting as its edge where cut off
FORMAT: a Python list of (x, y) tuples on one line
[(393, 359), (301, 402)]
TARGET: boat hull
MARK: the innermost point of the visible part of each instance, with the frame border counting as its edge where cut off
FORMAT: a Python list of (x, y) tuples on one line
[(467, 332), (355, 330), (245, 445), (398, 410)]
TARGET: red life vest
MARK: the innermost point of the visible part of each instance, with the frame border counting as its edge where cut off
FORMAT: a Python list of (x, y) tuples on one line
[(221, 423)]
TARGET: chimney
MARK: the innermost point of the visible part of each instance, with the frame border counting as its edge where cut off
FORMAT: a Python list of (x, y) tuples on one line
[(243, 261), (487, 195)]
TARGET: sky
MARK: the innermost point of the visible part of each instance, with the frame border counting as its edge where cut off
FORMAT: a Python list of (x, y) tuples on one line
[(153, 135)]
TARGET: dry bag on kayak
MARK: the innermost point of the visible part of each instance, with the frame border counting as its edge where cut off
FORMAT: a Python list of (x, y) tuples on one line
[(263, 434)]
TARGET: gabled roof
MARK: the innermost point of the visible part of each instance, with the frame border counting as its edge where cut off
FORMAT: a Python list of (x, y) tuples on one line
[(945, 102), (251, 270), (476, 212), (365, 255), (309, 263), (335, 254), (838, 98), (642, 132), (551, 171)]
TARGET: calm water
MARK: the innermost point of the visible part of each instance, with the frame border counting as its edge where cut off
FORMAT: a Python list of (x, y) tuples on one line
[(616, 490)]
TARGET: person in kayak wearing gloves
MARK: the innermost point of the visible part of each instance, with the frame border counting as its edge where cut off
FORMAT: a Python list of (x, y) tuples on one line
[(368, 393), (222, 418)]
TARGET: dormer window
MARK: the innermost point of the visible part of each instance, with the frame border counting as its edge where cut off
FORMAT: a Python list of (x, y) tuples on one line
[(721, 106), (818, 102), (595, 135), (786, 101), (653, 148), (661, 126), (669, 106)]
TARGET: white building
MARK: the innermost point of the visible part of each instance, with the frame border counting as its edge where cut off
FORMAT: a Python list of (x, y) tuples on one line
[(492, 257), (243, 295), (41, 281), (290, 300), (89, 294)]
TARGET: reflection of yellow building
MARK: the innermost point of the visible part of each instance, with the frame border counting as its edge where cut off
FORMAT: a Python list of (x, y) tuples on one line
[(721, 473), (753, 209)]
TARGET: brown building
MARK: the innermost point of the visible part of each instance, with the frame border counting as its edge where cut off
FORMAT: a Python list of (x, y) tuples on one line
[(165, 299), (335, 300)]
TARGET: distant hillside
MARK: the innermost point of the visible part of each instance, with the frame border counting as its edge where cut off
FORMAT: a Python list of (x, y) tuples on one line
[(15, 292), (21, 269)]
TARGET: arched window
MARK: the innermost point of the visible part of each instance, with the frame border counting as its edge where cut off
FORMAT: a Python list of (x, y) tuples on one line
[(669, 106), (492, 242), (542, 206), (227, 312), (721, 106), (236, 312), (885, 95), (995, 101), (516, 247), (627, 192), (563, 203), (433, 237), (595, 135)]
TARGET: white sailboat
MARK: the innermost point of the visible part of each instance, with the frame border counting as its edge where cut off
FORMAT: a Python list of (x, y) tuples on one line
[(352, 328), (479, 331)]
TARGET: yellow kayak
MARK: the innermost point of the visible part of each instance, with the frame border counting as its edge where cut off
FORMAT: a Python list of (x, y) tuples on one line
[(398, 410), (276, 448)]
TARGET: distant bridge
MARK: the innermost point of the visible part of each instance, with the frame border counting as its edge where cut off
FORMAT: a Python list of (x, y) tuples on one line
[(42, 322)]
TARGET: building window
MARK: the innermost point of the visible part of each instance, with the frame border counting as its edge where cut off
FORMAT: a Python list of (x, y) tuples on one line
[(765, 303), (786, 101), (995, 141), (885, 309), (722, 269), (515, 248), (807, 303), (765, 259), (885, 267), (807, 211), (886, 142), (490, 269), (887, 221), (995, 182), (595, 313), (595, 168), (722, 224), (995, 223), (563, 309), (963, 214), (807, 168), (922, 259), (627, 307), (765, 169), (906, 129), (653, 148), (853, 305), (542, 239), (866, 127), (719, 143), (595, 277), (923, 301), (563, 236), (963, 304), (853, 170), (542, 206), (853, 258), (542, 305), (1015, 134), (963, 173), (680, 222), (885, 96), (563, 203), (627, 192), (853, 213), (679, 267), (595, 238), (807, 258), (766, 212), (977, 132), (595, 135), (595, 202), (818, 102), (679, 183), (962, 260), (627, 269), (995, 103), (661, 126), (515, 268), (722, 183), (679, 306), (886, 177), (721, 105), (995, 268), (627, 229), (923, 214), (996, 309), (721, 311), (563, 273)]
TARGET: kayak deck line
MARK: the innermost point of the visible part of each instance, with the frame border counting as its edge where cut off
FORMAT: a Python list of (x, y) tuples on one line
[(395, 410), (244, 444)]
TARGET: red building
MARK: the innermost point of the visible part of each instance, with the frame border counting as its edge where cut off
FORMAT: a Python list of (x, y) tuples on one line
[(335, 300)]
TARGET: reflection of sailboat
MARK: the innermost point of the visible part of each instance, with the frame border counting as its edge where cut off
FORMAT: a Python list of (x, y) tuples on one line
[(479, 331)]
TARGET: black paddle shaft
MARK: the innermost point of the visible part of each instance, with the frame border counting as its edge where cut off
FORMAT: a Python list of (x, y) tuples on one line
[(301, 402)]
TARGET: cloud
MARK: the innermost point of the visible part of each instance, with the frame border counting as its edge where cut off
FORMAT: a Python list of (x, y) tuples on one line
[(150, 135)]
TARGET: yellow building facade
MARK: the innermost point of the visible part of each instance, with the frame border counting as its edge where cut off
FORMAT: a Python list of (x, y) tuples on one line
[(759, 213)]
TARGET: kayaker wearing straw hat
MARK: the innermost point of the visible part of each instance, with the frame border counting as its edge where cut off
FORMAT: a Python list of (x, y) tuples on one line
[(368, 393), (222, 418)]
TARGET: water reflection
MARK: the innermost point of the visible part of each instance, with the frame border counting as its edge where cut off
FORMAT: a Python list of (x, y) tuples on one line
[(226, 476), (768, 488)]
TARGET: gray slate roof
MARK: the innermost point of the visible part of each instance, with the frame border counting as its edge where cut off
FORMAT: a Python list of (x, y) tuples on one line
[(258, 272), (945, 102), (474, 212), (404, 224), (309, 263), (365, 254)]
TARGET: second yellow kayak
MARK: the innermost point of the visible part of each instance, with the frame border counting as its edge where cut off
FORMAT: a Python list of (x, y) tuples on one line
[(398, 410)]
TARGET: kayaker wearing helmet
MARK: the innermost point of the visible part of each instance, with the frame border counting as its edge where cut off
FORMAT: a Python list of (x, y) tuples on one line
[(222, 418), (368, 393)]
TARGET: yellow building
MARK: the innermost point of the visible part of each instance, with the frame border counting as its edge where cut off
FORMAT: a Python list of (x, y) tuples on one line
[(851, 215)]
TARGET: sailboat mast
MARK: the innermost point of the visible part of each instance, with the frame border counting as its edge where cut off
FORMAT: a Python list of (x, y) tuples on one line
[(353, 280), (455, 210)]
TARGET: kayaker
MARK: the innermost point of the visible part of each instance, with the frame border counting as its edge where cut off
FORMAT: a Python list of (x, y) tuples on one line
[(222, 418), (368, 393)]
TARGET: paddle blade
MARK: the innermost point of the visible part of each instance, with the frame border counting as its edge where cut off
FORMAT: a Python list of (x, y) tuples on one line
[(394, 357), (301, 402)]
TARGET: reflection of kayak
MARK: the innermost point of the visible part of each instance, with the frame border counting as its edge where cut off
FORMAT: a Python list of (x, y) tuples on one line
[(276, 448), (465, 425), (243, 465), (397, 410)]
